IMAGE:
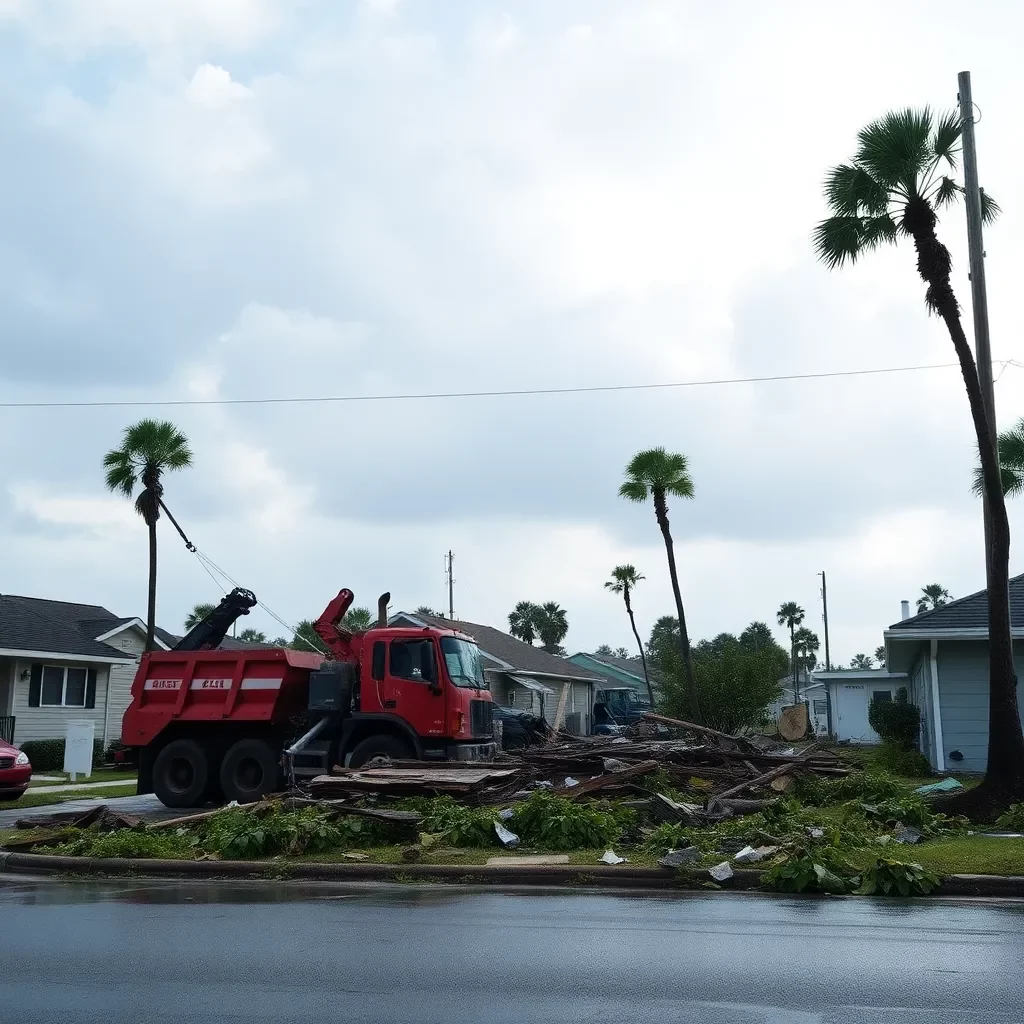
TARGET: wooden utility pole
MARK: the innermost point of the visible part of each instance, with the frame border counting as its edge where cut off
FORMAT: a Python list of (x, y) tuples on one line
[(824, 616), (451, 586)]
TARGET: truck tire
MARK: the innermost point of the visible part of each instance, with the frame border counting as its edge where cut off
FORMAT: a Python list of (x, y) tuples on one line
[(379, 746), (250, 771), (181, 772)]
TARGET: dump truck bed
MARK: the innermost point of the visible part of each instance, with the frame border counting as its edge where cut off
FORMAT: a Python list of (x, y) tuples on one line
[(258, 685)]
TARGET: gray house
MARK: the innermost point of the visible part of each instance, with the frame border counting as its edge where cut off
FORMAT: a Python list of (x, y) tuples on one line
[(523, 676), (944, 653)]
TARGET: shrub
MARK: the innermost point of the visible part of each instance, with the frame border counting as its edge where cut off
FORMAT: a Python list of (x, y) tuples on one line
[(239, 833), (460, 825), (870, 787), (804, 870), (556, 823), (1012, 819), (894, 878), (892, 758), (897, 721), (125, 842), (48, 755)]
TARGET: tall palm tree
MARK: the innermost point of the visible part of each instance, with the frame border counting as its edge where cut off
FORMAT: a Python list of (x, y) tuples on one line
[(198, 613), (861, 661), (624, 580), (791, 614), (552, 625), (358, 620), (148, 449), (1011, 462), (522, 621), (935, 595), (253, 636), (806, 644), (894, 188), (656, 474)]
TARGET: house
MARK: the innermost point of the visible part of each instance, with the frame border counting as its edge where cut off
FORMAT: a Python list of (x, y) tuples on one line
[(60, 660), (617, 671), (523, 676), (850, 693), (806, 690), (944, 653)]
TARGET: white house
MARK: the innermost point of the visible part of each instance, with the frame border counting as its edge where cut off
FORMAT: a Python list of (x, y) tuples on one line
[(850, 694)]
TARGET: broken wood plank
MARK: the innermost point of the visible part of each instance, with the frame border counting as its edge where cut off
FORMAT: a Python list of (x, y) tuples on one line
[(679, 723), (612, 779), (187, 819)]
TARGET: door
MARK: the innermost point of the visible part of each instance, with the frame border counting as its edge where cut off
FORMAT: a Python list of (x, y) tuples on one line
[(852, 714), (412, 672)]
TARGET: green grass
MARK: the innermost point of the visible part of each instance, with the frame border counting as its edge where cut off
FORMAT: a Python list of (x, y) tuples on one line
[(99, 775), (961, 855), (44, 799)]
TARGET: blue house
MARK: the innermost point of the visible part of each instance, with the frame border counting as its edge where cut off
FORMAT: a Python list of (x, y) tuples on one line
[(944, 653), (618, 671)]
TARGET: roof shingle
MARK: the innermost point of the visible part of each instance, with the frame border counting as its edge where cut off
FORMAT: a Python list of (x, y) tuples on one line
[(970, 612)]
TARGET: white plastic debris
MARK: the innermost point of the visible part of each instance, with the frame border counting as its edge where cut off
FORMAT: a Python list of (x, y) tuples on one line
[(508, 839), (814, 832), (677, 858), (721, 872), (613, 764), (570, 782), (506, 813), (234, 803), (611, 857), (750, 855), (908, 835)]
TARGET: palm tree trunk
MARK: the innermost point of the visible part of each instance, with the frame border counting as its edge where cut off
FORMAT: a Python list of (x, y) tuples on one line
[(639, 644), (661, 511), (151, 611), (1004, 772), (792, 656)]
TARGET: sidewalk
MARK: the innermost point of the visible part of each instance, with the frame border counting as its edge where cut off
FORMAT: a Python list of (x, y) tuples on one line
[(75, 786)]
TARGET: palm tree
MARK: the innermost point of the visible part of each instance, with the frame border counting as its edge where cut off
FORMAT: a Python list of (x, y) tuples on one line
[(806, 645), (935, 595), (358, 620), (148, 449), (552, 625), (791, 614), (861, 661), (880, 656), (1011, 462), (624, 580), (522, 621), (253, 636), (757, 636), (198, 613), (425, 609), (655, 474), (893, 189), (307, 639)]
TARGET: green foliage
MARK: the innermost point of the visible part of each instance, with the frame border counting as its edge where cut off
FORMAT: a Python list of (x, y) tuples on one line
[(253, 636), (1012, 819), (897, 721), (124, 842), (735, 682), (656, 473), (555, 823), (48, 755), (1011, 462), (548, 621), (198, 613), (306, 638), (910, 809), (460, 825), (804, 870), (894, 878), (868, 787), (239, 833), (934, 595), (892, 758)]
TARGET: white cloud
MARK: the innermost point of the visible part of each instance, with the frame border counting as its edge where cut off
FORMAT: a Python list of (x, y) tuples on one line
[(213, 87)]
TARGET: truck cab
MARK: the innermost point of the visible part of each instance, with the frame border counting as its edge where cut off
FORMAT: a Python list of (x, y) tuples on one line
[(616, 707)]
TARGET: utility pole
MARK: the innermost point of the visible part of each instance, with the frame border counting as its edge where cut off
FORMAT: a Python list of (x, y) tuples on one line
[(824, 615), (451, 586), (979, 294)]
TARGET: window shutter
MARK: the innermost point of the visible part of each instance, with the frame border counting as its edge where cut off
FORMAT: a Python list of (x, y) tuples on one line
[(35, 686), (90, 689)]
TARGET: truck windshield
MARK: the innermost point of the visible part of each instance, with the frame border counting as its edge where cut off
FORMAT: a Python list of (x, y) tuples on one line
[(465, 667)]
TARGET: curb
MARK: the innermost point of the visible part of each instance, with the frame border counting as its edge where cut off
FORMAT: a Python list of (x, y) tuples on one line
[(466, 874)]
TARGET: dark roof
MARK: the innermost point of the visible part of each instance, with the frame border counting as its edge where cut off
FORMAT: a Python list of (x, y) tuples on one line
[(60, 627), (969, 612), (521, 656), (63, 627)]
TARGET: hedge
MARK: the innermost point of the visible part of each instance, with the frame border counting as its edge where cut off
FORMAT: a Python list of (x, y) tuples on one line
[(48, 755), (897, 721)]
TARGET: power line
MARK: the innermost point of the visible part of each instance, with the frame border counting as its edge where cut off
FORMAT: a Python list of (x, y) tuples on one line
[(430, 396)]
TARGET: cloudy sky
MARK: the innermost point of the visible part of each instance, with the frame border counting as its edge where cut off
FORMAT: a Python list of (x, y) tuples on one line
[(287, 198)]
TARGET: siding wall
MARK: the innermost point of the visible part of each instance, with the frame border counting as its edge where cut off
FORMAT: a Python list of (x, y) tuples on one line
[(963, 696), (921, 695), (131, 644), (51, 723)]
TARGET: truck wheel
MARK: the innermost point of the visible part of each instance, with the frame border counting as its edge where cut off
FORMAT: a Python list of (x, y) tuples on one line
[(250, 771), (379, 746), (180, 774)]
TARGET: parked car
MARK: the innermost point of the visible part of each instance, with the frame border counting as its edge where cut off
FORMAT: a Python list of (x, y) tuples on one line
[(15, 772), (519, 728)]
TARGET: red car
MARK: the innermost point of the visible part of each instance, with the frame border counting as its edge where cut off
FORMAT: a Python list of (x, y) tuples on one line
[(15, 772)]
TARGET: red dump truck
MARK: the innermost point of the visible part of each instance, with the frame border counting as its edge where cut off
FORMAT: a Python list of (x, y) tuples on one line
[(209, 724)]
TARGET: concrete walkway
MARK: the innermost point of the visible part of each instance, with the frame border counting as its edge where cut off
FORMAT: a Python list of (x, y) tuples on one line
[(147, 806), (74, 787)]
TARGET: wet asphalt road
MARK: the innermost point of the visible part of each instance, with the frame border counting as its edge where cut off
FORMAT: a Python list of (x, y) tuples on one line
[(124, 953)]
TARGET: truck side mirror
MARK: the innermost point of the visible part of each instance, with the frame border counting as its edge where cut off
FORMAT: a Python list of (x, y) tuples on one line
[(428, 666)]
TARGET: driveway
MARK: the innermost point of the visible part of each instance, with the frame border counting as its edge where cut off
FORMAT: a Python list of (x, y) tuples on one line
[(148, 806), (277, 953)]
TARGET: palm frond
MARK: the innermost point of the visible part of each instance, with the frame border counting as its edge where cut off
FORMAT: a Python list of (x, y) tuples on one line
[(875, 231), (1011, 463), (851, 191), (634, 490), (947, 134), (837, 241), (120, 476), (897, 149), (990, 209), (947, 192)]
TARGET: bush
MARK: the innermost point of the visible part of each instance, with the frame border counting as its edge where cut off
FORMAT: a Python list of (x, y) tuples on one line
[(48, 755), (892, 758), (1012, 820), (897, 721), (556, 823), (894, 878), (869, 787), (458, 824), (239, 833), (125, 842), (805, 870)]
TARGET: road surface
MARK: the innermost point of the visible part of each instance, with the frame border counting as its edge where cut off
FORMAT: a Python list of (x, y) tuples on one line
[(123, 952), (147, 805)]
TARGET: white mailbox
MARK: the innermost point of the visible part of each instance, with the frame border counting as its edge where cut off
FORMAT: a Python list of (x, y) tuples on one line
[(78, 747)]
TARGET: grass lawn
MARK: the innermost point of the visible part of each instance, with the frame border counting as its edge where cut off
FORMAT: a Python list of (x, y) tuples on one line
[(98, 775), (42, 799), (961, 855)]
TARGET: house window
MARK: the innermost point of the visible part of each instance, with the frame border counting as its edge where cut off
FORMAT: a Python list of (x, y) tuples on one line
[(821, 707), (63, 687), (882, 695)]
